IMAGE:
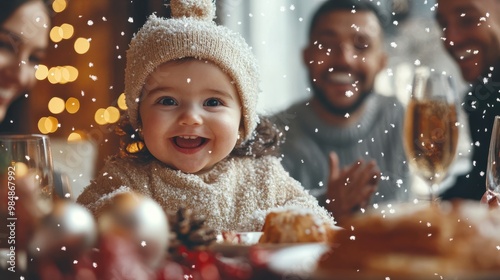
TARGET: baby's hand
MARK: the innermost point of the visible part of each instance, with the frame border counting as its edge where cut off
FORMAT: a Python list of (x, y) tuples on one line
[(350, 188)]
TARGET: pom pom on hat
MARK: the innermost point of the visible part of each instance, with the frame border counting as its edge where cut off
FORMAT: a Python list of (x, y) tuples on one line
[(191, 32), (201, 9)]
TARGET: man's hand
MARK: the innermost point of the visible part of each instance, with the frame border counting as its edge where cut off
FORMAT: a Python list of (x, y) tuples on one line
[(350, 188)]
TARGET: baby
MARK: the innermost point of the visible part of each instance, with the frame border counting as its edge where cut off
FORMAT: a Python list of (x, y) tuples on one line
[(194, 138)]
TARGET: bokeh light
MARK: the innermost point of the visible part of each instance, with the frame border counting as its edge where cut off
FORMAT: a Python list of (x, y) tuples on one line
[(59, 5), (67, 30), (41, 126), (122, 104), (107, 116), (82, 45), (53, 124), (41, 72), (48, 125), (135, 147), (21, 169), (64, 75), (56, 34), (57, 74), (99, 116), (111, 115), (73, 73), (56, 105), (54, 75), (75, 136), (72, 105)]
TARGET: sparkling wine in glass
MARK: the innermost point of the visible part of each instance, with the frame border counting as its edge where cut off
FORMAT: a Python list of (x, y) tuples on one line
[(431, 126), (27, 160), (493, 169)]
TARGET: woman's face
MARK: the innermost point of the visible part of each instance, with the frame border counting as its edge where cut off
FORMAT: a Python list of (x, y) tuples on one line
[(23, 42)]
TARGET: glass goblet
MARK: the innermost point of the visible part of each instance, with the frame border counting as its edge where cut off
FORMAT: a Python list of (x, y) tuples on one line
[(26, 160), (493, 169), (431, 126)]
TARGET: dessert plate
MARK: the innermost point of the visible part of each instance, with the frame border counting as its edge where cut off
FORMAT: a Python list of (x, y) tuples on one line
[(323, 275), (241, 244), (300, 262), (297, 261), (240, 238)]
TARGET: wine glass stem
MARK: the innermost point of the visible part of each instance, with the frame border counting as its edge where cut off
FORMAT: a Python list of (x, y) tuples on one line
[(432, 192)]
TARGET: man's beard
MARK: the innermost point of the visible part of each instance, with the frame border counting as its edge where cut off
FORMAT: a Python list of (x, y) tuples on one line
[(336, 110)]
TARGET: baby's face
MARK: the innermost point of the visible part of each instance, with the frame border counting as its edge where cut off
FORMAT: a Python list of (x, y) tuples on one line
[(191, 114)]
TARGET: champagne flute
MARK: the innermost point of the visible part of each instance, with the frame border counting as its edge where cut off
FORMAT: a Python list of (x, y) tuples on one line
[(431, 126), (493, 169), (26, 160)]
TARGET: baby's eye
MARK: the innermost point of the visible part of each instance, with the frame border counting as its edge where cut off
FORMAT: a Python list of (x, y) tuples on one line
[(212, 102), (167, 101)]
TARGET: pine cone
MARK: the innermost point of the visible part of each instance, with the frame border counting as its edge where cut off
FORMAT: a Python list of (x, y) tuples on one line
[(189, 231)]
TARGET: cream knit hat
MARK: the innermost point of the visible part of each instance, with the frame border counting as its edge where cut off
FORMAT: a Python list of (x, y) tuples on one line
[(191, 32)]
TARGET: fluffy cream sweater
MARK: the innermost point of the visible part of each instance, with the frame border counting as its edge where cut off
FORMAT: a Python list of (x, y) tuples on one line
[(235, 195)]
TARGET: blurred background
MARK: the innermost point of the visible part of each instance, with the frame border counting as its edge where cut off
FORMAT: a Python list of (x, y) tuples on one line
[(79, 96)]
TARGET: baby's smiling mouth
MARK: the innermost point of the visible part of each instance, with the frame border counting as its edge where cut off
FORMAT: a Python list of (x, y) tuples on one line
[(189, 142)]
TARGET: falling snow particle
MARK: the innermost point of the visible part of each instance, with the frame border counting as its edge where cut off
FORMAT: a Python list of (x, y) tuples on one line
[(130, 19), (90, 23)]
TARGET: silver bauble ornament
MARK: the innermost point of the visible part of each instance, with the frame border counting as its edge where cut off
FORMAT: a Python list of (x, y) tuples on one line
[(141, 220), (67, 231)]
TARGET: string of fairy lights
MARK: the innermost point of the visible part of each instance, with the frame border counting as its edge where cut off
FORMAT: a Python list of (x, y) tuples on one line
[(67, 74)]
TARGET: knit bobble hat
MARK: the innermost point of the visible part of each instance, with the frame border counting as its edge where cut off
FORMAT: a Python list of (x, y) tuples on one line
[(191, 32)]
